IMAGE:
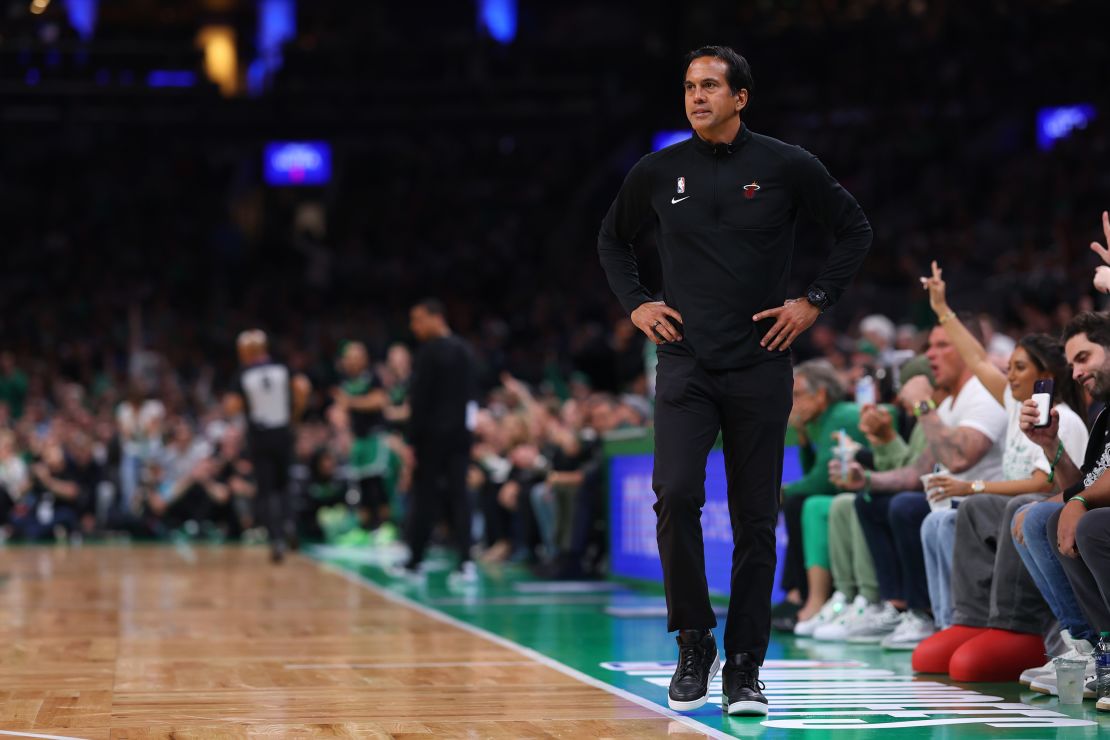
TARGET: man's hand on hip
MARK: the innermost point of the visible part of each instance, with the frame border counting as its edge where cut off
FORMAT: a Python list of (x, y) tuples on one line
[(658, 321), (794, 317)]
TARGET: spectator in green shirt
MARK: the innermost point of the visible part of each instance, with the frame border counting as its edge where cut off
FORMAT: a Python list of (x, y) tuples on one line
[(13, 385), (820, 412)]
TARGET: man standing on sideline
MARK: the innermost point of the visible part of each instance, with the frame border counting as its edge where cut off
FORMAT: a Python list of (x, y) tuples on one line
[(725, 202), (443, 411), (274, 398)]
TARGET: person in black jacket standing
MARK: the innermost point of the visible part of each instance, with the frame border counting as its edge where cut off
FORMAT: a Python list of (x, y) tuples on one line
[(725, 203), (442, 398)]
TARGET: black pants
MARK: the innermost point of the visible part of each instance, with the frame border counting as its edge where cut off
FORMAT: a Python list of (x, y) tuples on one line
[(439, 490), (375, 500), (271, 460), (749, 407)]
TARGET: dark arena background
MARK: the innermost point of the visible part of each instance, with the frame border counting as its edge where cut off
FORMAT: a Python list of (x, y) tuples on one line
[(173, 174)]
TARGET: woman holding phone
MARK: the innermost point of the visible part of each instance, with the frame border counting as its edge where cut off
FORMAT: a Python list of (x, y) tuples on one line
[(1036, 366)]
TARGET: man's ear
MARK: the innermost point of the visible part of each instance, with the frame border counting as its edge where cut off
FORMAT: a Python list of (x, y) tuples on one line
[(741, 99)]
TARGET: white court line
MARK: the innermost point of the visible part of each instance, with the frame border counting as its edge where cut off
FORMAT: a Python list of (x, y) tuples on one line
[(398, 666), (566, 670), (32, 734)]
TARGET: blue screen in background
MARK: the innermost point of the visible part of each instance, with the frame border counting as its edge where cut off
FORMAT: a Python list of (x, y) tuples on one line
[(1058, 122), (663, 139), (292, 163), (632, 544)]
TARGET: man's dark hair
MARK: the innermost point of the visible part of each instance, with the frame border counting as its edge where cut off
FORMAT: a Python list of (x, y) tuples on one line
[(739, 72), (433, 306), (1095, 324)]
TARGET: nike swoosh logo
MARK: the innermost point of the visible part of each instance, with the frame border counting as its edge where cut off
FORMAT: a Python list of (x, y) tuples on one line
[(678, 200)]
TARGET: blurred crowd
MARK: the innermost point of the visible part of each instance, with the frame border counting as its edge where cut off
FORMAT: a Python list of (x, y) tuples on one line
[(163, 458)]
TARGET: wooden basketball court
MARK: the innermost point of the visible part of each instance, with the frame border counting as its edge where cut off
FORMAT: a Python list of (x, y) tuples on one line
[(215, 642), (158, 642)]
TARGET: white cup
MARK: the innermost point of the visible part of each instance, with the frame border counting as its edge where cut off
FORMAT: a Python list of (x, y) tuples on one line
[(927, 483)]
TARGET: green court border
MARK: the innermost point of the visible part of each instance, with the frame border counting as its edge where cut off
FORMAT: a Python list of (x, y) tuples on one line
[(530, 628)]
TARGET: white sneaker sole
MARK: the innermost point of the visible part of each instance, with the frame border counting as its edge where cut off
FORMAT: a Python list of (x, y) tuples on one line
[(1027, 681), (746, 709), (689, 706), (867, 639)]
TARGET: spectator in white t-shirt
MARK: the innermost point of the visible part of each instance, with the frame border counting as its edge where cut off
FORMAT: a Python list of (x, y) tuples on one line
[(965, 434), (15, 479), (140, 431)]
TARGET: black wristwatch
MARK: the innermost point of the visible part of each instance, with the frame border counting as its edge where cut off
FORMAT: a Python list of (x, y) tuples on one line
[(818, 298)]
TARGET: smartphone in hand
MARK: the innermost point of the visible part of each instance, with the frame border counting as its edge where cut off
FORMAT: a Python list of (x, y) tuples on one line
[(1042, 396)]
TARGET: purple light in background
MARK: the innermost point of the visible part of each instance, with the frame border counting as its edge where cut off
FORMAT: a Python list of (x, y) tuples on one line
[(33, 76), (664, 139), (1058, 122), (171, 78), (82, 16), (297, 163), (498, 18), (277, 23)]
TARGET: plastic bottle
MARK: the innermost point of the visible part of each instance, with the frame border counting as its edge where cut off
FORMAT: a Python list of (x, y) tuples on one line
[(843, 452), (1102, 665)]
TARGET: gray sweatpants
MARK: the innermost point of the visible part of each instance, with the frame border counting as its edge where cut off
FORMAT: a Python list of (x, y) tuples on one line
[(1089, 574), (990, 585)]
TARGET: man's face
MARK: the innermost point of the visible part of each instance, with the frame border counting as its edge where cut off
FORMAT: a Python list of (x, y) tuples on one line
[(710, 103), (944, 360), (354, 360), (419, 321), (399, 360), (1090, 366)]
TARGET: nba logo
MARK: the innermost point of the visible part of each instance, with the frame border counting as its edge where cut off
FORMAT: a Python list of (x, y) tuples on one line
[(682, 184)]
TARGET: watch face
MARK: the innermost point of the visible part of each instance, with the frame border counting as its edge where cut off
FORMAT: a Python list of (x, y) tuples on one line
[(816, 297)]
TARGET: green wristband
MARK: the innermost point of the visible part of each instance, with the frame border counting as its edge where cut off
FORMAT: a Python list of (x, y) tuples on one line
[(1055, 462), (1081, 500)]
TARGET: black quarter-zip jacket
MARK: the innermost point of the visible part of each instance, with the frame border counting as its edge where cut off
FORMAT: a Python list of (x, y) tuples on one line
[(726, 216)]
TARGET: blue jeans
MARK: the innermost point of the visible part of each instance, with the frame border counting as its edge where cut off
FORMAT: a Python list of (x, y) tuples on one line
[(938, 540), (1039, 557)]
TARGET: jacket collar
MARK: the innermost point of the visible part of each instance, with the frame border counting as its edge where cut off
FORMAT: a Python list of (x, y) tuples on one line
[(719, 150)]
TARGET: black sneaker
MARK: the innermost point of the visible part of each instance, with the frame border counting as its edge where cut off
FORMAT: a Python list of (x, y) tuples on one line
[(784, 616), (743, 691), (698, 663)]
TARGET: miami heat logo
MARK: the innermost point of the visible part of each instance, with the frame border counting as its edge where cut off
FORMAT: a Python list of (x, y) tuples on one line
[(749, 190)]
